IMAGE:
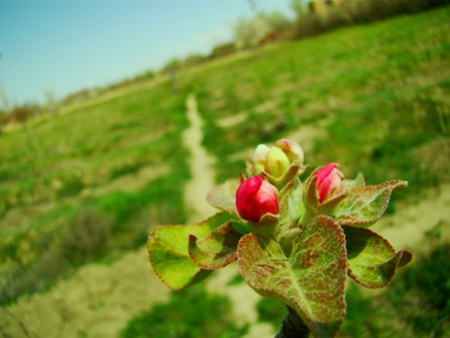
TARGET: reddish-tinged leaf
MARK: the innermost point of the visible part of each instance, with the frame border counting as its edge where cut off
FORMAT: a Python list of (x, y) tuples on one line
[(223, 196), (168, 251), (218, 249), (372, 260), (364, 205), (311, 280)]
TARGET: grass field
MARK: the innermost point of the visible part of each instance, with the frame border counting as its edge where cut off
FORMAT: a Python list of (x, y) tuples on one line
[(87, 185)]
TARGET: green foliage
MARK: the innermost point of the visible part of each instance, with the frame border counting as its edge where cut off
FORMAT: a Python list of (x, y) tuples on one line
[(18, 279), (359, 320), (170, 251), (422, 295), (345, 13), (190, 313), (87, 237), (372, 260)]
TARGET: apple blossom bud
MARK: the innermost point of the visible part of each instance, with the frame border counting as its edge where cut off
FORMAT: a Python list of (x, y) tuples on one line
[(329, 181), (292, 149), (256, 197), (259, 158), (276, 162)]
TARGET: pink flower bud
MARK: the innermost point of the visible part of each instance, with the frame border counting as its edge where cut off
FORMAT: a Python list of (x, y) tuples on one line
[(292, 149), (329, 181), (256, 197)]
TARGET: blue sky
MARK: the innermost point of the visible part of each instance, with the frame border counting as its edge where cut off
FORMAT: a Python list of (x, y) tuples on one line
[(66, 45)]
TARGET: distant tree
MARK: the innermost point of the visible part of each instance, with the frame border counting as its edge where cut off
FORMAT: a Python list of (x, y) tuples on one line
[(194, 59), (278, 22), (249, 32), (253, 6), (222, 50), (171, 69), (300, 8), (50, 101), (4, 99), (174, 63)]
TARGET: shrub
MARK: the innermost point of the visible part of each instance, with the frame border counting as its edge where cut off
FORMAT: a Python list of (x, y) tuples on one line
[(37, 276), (355, 12), (222, 50), (87, 236)]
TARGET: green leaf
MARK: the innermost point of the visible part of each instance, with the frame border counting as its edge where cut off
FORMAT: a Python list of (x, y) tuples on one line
[(372, 260), (223, 196), (357, 182), (364, 205), (311, 280), (291, 206), (294, 170), (218, 249), (168, 251)]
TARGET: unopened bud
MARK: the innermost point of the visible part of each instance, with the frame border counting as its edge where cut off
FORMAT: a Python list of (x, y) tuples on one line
[(256, 197)]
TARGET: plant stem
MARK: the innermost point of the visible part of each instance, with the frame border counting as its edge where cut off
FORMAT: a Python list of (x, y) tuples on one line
[(293, 326)]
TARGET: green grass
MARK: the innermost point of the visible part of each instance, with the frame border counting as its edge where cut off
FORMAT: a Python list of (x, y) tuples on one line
[(51, 179), (191, 313), (272, 311)]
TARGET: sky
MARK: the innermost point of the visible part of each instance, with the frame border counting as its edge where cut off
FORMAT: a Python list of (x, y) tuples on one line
[(62, 46)]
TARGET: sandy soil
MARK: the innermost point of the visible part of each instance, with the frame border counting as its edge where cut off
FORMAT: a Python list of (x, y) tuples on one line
[(408, 227), (200, 161)]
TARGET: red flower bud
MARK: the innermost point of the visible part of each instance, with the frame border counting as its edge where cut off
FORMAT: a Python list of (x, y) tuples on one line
[(256, 197), (329, 181)]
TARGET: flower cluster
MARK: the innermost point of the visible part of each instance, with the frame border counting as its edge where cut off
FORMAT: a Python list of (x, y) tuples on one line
[(279, 164), (294, 240)]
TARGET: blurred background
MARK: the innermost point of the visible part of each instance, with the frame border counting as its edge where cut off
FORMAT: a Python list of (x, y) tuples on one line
[(94, 152)]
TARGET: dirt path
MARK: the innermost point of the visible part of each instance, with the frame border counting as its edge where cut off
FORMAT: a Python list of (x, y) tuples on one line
[(408, 227), (243, 298), (200, 162)]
